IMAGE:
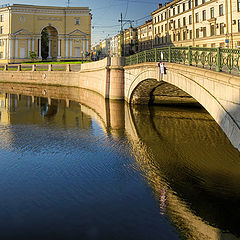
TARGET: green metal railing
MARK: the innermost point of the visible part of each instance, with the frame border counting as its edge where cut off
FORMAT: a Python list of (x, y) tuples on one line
[(218, 59)]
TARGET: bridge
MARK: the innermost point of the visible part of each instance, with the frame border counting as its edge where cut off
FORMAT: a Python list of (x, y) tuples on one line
[(208, 76), (198, 72)]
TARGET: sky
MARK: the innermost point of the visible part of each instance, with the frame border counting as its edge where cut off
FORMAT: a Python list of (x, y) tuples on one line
[(106, 13)]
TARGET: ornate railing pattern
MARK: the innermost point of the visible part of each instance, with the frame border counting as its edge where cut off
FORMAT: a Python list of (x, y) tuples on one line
[(218, 59)]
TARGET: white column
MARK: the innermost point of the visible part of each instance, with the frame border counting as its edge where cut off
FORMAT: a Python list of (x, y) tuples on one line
[(29, 47), (16, 48), (83, 47), (33, 44), (59, 48), (66, 48), (49, 49), (87, 46), (70, 48), (10, 48), (39, 49), (4, 48)]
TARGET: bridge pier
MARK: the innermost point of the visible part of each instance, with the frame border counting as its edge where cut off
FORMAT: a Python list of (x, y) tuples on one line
[(116, 79)]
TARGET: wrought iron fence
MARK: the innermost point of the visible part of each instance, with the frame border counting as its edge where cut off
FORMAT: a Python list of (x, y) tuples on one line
[(218, 59)]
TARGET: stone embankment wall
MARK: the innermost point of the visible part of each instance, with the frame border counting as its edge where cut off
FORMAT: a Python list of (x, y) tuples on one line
[(105, 77)]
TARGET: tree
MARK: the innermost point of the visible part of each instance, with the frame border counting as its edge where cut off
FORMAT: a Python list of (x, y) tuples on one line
[(33, 56)]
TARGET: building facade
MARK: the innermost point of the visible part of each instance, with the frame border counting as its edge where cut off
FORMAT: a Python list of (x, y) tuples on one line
[(198, 23), (51, 32), (114, 46), (145, 36)]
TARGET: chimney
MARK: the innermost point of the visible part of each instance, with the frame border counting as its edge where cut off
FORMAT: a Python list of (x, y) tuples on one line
[(159, 5)]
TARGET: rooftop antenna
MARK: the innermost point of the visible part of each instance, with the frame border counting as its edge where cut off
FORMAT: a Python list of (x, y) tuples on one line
[(68, 3)]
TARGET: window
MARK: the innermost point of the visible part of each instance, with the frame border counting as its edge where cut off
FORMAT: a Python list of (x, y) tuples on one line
[(204, 30), (238, 25), (173, 11), (184, 21), (165, 27), (169, 13), (190, 34), (221, 10), (196, 18), (190, 19), (212, 29), (184, 7), (162, 28), (170, 27), (174, 37), (158, 29), (212, 12), (196, 3), (184, 35), (165, 15), (158, 18), (178, 7), (190, 4), (203, 1), (174, 24), (238, 5), (161, 17), (179, 23), (204, 15), (77, 21), (179, 36), (1, 18), (197, 33), (1, 30), (155, 30), (221, 44), (222, 25)]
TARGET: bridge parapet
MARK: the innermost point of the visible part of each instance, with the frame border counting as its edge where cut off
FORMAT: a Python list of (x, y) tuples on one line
[(218, 59)]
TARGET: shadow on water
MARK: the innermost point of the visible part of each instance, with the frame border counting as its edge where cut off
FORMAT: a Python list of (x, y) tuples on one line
[(191, 158), (183, 155)]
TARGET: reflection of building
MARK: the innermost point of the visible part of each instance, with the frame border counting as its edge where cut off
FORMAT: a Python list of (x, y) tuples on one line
[(4, 108), (197, 23), (22, 28)]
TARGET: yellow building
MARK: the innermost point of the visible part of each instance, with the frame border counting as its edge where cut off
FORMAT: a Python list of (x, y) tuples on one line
[(51, 32), (129, 41), (145, 36), (198, 23)]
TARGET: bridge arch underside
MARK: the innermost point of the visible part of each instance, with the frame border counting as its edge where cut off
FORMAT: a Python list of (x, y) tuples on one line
[(151, 91), (185, 87)]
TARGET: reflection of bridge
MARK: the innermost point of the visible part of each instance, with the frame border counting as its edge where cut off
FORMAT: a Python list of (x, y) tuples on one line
[(158, 145)]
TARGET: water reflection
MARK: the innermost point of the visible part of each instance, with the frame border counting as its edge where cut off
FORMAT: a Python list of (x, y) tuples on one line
[(193, 170), (184, 157)]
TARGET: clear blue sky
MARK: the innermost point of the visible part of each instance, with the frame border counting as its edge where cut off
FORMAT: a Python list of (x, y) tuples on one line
[(106, 13)]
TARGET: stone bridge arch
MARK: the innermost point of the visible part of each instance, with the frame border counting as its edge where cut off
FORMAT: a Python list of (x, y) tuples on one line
[(218, 93)]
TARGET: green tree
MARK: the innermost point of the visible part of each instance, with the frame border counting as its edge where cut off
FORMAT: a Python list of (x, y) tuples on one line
[(33, 56)]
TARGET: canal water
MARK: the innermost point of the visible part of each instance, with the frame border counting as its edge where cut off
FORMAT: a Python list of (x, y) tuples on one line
[(74, 166)]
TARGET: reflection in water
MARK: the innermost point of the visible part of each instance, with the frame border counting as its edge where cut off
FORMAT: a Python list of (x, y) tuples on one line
[(74, 166)]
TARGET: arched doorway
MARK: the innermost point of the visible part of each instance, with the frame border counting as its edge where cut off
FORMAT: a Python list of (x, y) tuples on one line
[(49, 43)]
